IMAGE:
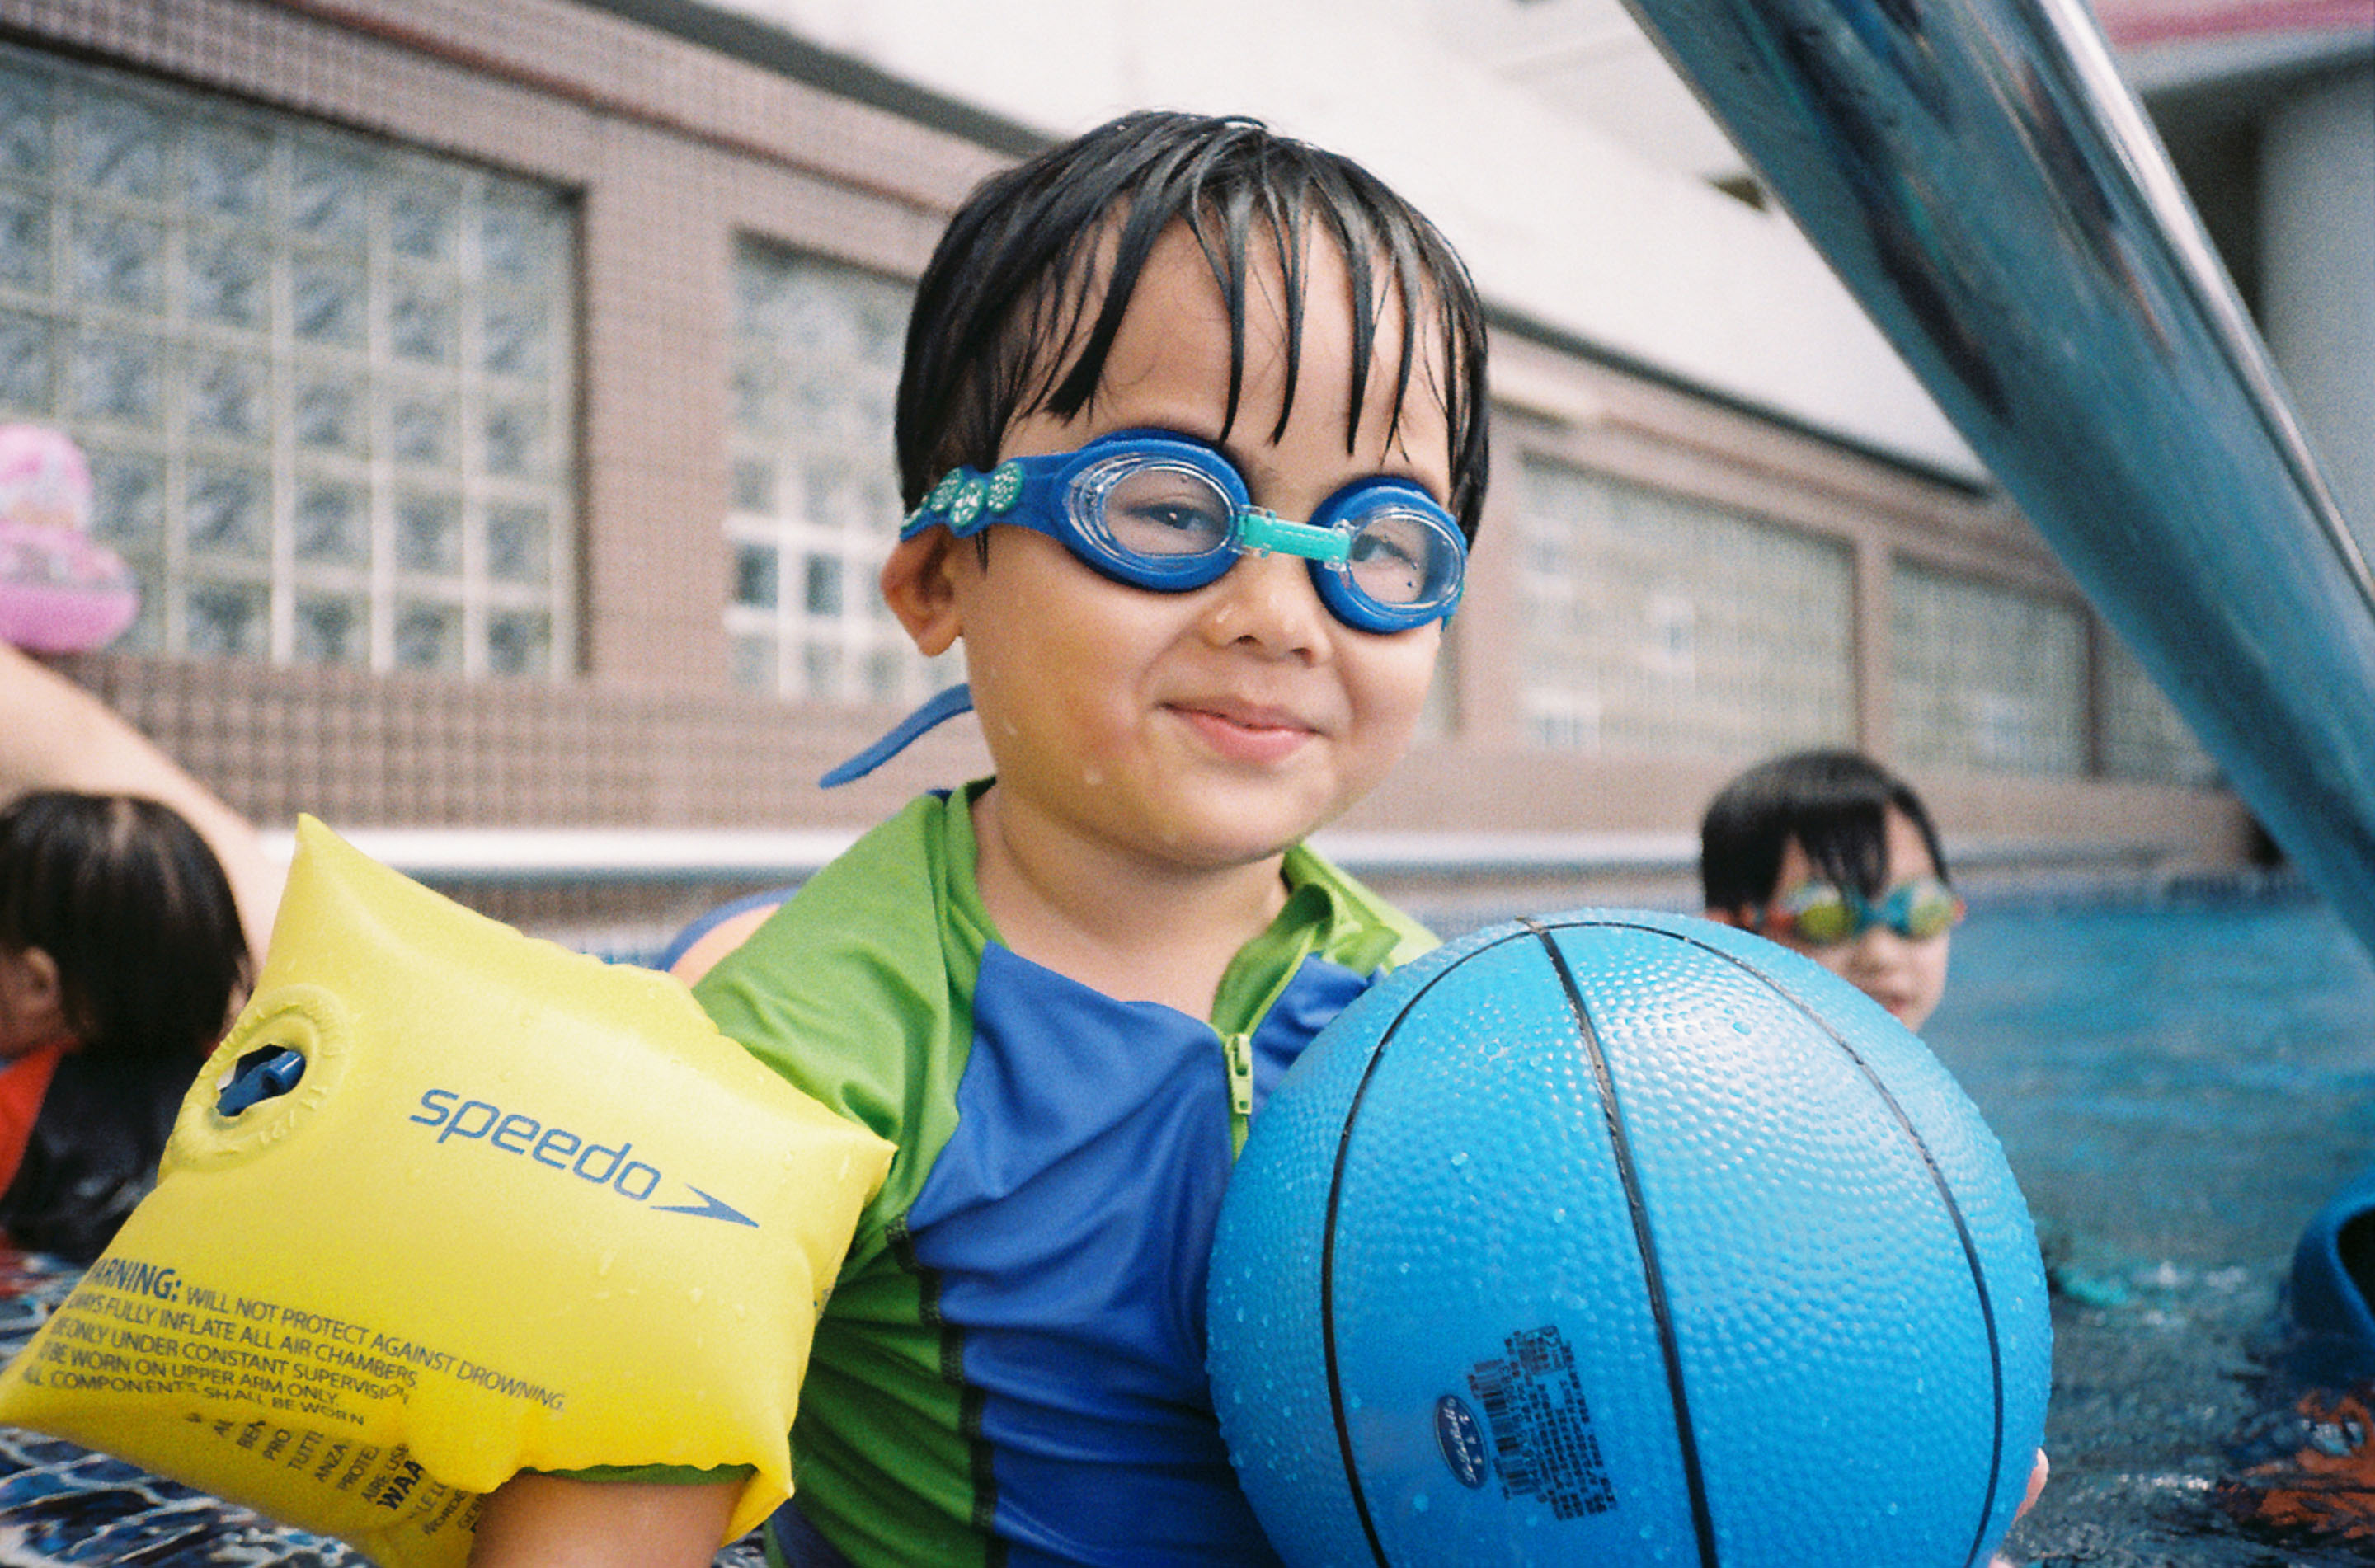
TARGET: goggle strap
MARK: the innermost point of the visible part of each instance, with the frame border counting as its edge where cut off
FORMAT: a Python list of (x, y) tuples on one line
[(934, 712), (1266, 531), (966, 502)]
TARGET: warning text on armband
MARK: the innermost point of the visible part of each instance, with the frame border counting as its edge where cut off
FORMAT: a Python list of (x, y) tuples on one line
[(387, 1477), (131, 1327)]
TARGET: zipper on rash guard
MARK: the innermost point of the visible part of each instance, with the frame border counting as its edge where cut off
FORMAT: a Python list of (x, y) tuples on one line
[(1238, 1049)]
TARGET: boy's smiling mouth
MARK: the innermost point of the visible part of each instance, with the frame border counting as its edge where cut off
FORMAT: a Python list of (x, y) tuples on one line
[(1246, 732)]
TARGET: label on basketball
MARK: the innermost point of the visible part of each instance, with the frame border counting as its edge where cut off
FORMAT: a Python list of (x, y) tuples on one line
[(1542, 1442), (1462, 1441)]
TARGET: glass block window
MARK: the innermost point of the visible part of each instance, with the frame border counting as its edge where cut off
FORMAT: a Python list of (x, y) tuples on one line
[(1987, 677), (1655, 621), (326, 384), (815, 505), (2144, 739)]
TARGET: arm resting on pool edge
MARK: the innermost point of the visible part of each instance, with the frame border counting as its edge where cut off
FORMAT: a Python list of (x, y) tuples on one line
[(534, 1521), (55, 735)]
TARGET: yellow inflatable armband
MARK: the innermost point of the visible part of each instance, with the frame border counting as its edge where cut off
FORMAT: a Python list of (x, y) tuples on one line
[(449, 1203)]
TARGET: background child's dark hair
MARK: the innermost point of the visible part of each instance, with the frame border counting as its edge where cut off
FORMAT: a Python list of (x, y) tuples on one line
[(1000, 327), (136, 912), (1834, 803)]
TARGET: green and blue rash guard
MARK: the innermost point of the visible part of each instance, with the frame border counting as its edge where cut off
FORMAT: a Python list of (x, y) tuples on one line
[(1010, 1368)]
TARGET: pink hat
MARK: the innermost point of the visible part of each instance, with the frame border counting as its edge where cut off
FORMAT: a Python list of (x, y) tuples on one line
[(61, 592)]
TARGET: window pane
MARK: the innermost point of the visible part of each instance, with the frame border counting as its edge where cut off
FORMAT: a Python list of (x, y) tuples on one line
[(228, 170), (428, 637), (519, 545), (330, 631), (116, 379), (119, 261), (817, 364), (24, 120), (230, 280), (228, 511), (519, 642), (1661, 623), (331, 526), (24, 241), (224, 621), (26, 363), (2144, 736), (192, 286), (120, 146), (754, 575), (1987, 677), (229, 397), (429, 534)]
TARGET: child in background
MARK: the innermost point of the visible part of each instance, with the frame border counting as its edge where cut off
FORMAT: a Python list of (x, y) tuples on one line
[(1829, 852), (122, 958), (1193, 423)]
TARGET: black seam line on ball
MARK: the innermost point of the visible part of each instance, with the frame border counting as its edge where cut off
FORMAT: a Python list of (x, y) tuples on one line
[(1327, 1252), (1653, 1276), (1980, 1542)]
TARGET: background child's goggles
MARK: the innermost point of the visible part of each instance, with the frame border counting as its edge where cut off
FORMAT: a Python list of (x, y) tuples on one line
[(1824, 913), (1157, 511)]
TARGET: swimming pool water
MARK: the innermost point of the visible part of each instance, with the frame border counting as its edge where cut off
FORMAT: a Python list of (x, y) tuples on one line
[(2179, 1088)]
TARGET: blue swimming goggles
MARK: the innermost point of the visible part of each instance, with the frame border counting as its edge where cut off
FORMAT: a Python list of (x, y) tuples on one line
[(1822, 915), (1159, 511)]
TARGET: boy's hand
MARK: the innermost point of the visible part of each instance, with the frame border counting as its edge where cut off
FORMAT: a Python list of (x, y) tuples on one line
[(534, 1521), (2035, 1484)]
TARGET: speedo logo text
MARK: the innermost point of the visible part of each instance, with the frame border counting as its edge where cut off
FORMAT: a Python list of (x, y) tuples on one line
[(612, 1166)]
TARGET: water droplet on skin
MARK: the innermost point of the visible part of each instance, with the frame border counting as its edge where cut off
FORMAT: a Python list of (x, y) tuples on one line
[(1092, 777)]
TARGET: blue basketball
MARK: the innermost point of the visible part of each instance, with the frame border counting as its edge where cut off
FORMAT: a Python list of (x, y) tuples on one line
[(1615, 1238)]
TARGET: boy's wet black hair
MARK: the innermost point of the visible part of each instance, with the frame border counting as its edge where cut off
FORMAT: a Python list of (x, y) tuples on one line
[(1834, 803), (134, 909), (1000, 327)]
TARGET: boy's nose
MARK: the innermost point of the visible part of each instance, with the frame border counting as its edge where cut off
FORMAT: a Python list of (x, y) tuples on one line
[(1268, 602), (1878, 948)]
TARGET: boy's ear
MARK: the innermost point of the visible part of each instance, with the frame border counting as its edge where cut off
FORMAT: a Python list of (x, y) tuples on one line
[(919, 586), (31, 993)]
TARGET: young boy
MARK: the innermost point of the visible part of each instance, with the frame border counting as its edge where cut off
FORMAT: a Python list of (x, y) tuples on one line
[(1193, 420), (1828, 852)]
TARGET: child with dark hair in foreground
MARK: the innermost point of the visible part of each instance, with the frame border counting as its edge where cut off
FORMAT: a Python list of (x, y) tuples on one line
[(1192, 424), (122, 957), (1829, 852)]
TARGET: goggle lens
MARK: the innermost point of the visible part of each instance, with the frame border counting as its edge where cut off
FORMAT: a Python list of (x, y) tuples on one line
[(1157, 508), (1399, 556), (1921, 909)]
